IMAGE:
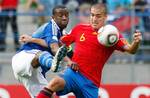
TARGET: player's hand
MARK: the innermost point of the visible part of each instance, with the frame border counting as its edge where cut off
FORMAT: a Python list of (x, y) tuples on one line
[(137, 37), (74, 66), (40, 8), (25, 38)]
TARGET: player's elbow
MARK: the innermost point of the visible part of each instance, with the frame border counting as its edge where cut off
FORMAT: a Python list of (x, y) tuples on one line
[(132, 52)]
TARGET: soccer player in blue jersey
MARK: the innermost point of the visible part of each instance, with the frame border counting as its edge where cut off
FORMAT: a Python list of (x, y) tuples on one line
[(35, 57)]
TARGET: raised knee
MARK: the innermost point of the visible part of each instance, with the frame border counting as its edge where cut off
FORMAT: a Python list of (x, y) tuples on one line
[(57, 84)]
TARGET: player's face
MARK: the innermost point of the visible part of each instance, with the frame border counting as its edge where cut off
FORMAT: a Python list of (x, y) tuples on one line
[(97, 18), (61, 17)]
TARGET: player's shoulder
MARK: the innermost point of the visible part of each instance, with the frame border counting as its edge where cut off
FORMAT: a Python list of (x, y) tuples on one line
[(42, 27), (83, 25)]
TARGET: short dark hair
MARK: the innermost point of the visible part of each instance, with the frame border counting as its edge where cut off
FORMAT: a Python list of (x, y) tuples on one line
[(58, 7), (100, 6)]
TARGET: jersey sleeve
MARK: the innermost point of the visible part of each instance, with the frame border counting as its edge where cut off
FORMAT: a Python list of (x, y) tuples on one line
[(69, 38), (51, 35), (122, 42)]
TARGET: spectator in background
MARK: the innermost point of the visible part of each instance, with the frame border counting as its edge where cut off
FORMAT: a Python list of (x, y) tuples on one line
[(81, 1), (84, 13), (72, 5), (9, 10), (141, 11), (87, 1), (0, 23), (112, 5), (140, 8), (116, 8), (147, 17), (43, 8), (147, 34)]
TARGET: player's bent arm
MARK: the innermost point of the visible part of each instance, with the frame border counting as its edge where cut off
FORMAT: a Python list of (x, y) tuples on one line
[(71, 64), (27, 38), (68, 60), (133, 47)]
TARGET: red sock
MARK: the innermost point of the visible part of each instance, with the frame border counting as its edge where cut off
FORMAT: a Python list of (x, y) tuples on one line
[(45, 93)]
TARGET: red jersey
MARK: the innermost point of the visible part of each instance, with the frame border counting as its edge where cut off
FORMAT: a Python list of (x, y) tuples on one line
[(8, 4), (89, 54)]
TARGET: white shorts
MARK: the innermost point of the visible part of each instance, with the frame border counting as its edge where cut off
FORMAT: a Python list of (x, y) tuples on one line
[(31, 78)]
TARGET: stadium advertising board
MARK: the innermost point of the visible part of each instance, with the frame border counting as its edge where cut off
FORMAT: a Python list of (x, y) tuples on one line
[(105, 91)]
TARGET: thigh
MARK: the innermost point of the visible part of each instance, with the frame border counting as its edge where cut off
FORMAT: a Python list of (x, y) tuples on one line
[(85, 86), (31, 78), (89, 90), (78, 84), (21, 63), (69, 85)]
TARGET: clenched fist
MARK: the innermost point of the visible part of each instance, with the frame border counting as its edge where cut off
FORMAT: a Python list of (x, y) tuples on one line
[(137, 36), (25, 38)]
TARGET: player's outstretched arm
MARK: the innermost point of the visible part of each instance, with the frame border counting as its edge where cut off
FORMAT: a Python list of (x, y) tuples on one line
[(133, 47)]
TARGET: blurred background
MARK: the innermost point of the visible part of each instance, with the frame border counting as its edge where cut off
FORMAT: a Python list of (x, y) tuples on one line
[(25, 16)]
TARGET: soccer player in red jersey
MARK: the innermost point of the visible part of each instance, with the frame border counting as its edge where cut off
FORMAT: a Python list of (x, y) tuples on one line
[(83, 75)]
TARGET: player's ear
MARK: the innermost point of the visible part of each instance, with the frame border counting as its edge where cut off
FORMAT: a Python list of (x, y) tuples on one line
[(53, 17), (106, 17)]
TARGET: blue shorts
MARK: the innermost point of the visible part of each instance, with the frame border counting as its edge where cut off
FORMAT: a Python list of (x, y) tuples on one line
[(78, 84)]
